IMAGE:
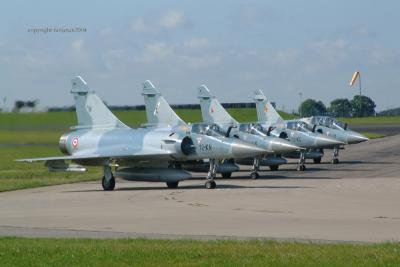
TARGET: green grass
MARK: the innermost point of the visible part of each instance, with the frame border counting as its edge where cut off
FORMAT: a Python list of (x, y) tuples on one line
[(30, 137), (373, 135), (63, 120), (17, 144), (372, 120), (19, 175), (37, 121), (142, 252)]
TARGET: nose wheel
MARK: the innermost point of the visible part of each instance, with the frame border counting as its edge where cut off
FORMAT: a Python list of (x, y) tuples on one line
[(254, 175), (335, 161), (210, 184), (301, 166)]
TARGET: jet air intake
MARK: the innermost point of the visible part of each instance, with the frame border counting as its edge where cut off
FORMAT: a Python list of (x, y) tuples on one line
[(187, 146), (180, 147), (283, 135)]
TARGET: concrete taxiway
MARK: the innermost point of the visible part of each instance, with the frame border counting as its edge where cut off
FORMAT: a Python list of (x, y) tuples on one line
[(356, 200), (386, 129)]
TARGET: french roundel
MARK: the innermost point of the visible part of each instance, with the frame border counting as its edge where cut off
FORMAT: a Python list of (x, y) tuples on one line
[(75, 142)]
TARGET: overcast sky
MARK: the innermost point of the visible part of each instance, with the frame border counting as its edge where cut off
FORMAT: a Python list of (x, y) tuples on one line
[(234, 47)]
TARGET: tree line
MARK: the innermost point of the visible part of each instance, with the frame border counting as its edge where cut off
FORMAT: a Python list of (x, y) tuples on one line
[(359, 106)]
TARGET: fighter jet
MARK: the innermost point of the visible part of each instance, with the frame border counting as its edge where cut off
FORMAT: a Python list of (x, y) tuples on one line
[(160, 114), (329, 126), (213, 113), (293, 130), (137, 154)]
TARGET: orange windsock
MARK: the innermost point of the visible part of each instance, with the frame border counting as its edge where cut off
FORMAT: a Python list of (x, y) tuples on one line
[(354, 78)]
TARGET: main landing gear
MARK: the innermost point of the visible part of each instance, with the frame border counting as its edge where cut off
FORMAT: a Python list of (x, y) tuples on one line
[(274, 167), (172, 184), (301, 166), (335, 158), (226, 175), (108, 181), (317, 160), (210, 183), (256, 167)]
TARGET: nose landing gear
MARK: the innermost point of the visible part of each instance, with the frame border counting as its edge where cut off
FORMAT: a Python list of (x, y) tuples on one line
[(301, 166), (210, 183), (335, 158), (108, 181), (256, 167)]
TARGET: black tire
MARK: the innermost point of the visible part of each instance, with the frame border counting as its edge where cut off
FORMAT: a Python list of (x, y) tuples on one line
[(335, 161), (317, 160), (301, 168), (172, 184), (226, 175), (274, 167), (254, 175), (210, 184), (108, 186)]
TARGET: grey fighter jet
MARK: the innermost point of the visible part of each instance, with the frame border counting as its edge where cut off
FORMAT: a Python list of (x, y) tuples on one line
[(329, 126), (295, 131), (141, 154), (213, 113), (160, 114)]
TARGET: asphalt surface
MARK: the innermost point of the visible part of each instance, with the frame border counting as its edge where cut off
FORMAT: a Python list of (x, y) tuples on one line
[(386, 129), (354, 201)]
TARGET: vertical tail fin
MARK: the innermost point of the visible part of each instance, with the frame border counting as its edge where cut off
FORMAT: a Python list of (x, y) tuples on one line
[(157, 108), (211, 110), (90, 109), (265, 111)]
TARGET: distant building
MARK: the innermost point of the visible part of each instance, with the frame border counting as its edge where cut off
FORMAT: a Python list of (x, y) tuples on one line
[(26, 106)]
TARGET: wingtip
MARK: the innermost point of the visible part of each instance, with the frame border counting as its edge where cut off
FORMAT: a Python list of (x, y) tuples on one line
[(148, 85), (23, 160), (79, 85), (259, 95), (203, 91), (149, 88)]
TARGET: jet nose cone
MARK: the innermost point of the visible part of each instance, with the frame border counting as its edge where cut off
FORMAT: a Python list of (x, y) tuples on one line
[(283, 146), (326, 141), (354, 138), (243, 150)]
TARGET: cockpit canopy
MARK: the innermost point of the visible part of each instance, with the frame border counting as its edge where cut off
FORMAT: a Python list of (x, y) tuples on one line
[(328, 122), (253, 128), (207, 129), (298, 126)]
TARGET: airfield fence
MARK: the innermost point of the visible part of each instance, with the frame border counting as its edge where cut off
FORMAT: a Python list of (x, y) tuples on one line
[(174, 106)]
